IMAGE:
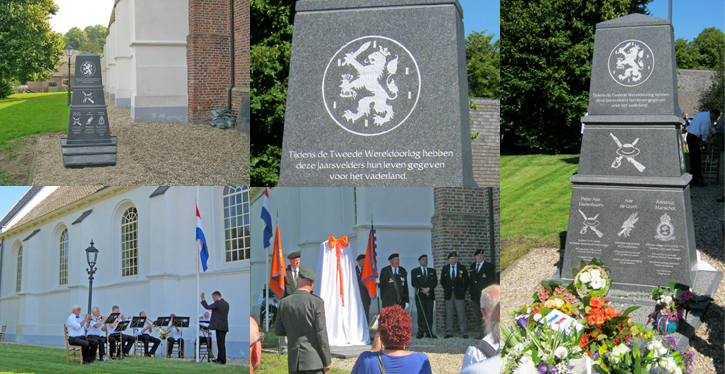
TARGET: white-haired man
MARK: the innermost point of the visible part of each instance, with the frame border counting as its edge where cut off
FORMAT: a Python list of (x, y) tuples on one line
[(77, 334), (96, 331), (490, 345)]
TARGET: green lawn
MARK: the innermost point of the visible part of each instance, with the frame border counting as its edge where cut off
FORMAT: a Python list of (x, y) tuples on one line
[(30, 114), (15, 358), (272, 364), (535, 198)]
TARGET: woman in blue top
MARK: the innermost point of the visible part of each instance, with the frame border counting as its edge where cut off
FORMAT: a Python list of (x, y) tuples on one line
[(394, 329)]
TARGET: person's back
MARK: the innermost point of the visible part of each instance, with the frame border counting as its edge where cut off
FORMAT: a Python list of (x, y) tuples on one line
[(414, 363), (489, 366)]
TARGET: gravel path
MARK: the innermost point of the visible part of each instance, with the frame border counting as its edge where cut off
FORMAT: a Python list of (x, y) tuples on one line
[(521, 279), (153, 153)]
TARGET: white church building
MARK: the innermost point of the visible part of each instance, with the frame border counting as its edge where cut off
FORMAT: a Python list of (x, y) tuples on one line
[(147, 259)]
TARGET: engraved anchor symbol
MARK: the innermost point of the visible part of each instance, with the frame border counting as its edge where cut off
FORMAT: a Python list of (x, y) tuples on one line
[(88, 97)]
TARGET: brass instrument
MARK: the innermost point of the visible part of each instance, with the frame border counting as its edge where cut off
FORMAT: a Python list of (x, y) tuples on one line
[(164, 332)]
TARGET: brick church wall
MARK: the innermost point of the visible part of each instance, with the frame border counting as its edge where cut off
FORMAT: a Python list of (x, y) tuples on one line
[(209, 49), (462, 223)]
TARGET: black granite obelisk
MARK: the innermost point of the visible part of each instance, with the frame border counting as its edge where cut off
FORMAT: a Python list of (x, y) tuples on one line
[(630, 203), (89, 141)]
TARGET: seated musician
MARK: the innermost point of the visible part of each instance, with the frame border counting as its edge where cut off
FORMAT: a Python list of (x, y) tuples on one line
[(143, 335), (77, 334), (174, 336), (95, 329), (117, 336), (205, 333)]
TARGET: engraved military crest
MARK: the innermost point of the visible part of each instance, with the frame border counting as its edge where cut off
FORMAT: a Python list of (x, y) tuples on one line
[(665, 230), (88, 68), (631, 63), (371, 85)]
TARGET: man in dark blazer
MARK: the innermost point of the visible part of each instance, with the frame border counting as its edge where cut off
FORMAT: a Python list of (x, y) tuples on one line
[(483, 274), (219, 322), (290, 279), (301, 317), (424, 280), (454, 279), (364, 294), (393, 288)]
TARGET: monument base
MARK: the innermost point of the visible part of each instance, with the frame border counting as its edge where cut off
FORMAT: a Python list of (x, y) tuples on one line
[(88, 154), (706, 282)]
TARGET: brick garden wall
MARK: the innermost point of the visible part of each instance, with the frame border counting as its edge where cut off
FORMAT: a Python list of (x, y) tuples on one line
[(240, 93), (462, 223)]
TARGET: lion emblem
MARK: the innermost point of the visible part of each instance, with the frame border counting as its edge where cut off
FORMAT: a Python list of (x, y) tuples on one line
[(369, 77), (632, 58), (371, 85)]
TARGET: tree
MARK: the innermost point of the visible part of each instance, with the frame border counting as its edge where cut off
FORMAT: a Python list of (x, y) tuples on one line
[(29, 50), (96, 39), (546, 54), (271, 37), (76, 38), (483, 64), (713, 96), (705, 52)]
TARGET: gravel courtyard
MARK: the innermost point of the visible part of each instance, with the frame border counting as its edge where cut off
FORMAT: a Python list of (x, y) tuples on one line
[(152, 153), (521, 279)]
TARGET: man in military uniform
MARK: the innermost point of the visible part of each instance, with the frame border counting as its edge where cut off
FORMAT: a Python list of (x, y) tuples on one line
[(290, 279), (364, 294), (393, 288), (454, 280), (483, 275), (301, 317), (424, 280)]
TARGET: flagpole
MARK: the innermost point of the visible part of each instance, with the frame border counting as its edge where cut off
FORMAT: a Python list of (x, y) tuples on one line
[(375, 259), (198, 258)]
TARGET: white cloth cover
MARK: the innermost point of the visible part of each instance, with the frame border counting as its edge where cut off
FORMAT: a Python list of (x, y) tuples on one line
[(345, 325)]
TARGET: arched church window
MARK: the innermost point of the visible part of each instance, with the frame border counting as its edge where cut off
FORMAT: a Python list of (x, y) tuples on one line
[(19, 278), (63, 263), (236, 223), (129, 243)]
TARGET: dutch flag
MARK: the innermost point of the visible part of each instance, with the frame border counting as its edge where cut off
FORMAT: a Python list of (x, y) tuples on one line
[(201, 240), (267, 218)]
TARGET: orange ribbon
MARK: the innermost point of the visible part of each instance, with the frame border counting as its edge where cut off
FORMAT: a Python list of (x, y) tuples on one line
[(337, 244)]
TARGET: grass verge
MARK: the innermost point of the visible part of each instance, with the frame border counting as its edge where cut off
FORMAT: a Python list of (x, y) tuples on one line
[(273, 364), (16, 358), (535, 198), (22, 115)]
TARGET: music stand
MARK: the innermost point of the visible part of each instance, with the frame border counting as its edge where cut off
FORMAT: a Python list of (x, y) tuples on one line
[(162, 321), (207, 334), (119, 329), (182, 322), (109, 320)]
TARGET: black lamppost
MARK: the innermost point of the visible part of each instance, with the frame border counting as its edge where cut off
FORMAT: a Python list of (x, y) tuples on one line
[(91, 255), (69, 53)]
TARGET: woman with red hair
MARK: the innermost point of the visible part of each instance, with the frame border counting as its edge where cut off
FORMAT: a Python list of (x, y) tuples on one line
[(394, 329)]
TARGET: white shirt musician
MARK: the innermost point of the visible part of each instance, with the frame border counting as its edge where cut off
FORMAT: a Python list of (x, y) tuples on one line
[(143, 335), (96, 330), (174, 337), (77, 334)]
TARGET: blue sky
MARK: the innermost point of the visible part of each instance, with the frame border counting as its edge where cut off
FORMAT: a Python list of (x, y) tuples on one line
[(688, 17), (691, 17), (9, 196), (479, 15)]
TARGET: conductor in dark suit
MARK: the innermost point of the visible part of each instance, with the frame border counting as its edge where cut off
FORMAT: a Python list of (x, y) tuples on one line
[(290, 279), (393, 288), (424, 280), (301, 317), (454, 279), (219, 322), (364, 294), (483, 274)]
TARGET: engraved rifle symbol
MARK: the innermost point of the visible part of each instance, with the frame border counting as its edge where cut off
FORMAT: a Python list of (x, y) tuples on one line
[(88, 97), (77, 121), (628, 151), (590, 223)]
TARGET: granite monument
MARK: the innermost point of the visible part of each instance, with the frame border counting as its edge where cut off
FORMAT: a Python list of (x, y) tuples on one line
[(89, 141), (377, 95), (630, 202)]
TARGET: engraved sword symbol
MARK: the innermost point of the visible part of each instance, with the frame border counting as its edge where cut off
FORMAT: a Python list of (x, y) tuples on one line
[(88, 97), (627, 151), (590, 223)]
